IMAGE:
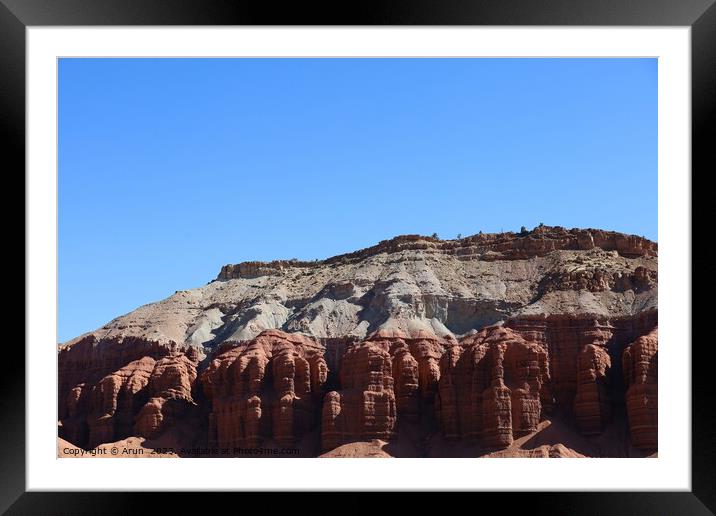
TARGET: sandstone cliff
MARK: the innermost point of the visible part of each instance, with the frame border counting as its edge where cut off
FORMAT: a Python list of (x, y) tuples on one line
[(431, 347)]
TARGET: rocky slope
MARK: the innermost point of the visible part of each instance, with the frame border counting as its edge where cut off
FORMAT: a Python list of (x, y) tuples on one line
[(476, 346)]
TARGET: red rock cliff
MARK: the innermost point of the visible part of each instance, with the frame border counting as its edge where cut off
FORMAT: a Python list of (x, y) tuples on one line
[(270, 388), (490, 387), (641, 370)]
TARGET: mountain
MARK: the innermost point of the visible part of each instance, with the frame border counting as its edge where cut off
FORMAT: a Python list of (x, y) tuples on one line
[(538, 343)]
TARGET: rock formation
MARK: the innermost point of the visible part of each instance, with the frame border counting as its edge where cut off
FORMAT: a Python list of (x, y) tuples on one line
[(114, 400), (592, 406), (364, 408), (139, 399), (270, 388), (170, 387), (641, 370), (490, 387), (418, 344)]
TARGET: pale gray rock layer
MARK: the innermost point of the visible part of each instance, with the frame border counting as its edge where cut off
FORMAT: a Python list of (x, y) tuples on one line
[(410, 285)]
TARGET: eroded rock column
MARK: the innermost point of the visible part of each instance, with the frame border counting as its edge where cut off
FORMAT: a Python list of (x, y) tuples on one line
[(592, 405), (641, 372), (269, 388), (490, 387), (365, 407)]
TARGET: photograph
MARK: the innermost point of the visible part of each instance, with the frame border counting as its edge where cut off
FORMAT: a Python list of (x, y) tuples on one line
[(357, 257)]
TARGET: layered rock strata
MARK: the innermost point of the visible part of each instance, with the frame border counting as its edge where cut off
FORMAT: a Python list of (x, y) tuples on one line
[(592, 403), (270, 388), (408, 284), (141, 399), (504, 246), (490, 387), (641, 370), (478, 340), (364, 408)]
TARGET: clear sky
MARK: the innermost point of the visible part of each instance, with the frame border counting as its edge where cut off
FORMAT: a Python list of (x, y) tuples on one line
[(170, 168)]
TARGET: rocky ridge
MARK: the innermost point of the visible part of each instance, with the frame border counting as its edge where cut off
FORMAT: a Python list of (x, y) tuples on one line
[(426, 346)]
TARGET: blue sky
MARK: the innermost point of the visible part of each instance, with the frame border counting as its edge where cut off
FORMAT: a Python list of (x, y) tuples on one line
[(170, 168)]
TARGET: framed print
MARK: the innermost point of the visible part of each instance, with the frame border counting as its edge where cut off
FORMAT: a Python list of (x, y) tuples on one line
[(427, 234)]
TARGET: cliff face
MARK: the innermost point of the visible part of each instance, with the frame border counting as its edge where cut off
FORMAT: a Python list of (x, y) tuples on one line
[(642, 374), (490, 387), (429, 347), (268, 388)]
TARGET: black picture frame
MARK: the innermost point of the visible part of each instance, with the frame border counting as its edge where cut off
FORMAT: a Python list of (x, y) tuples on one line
[(700, 15)]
